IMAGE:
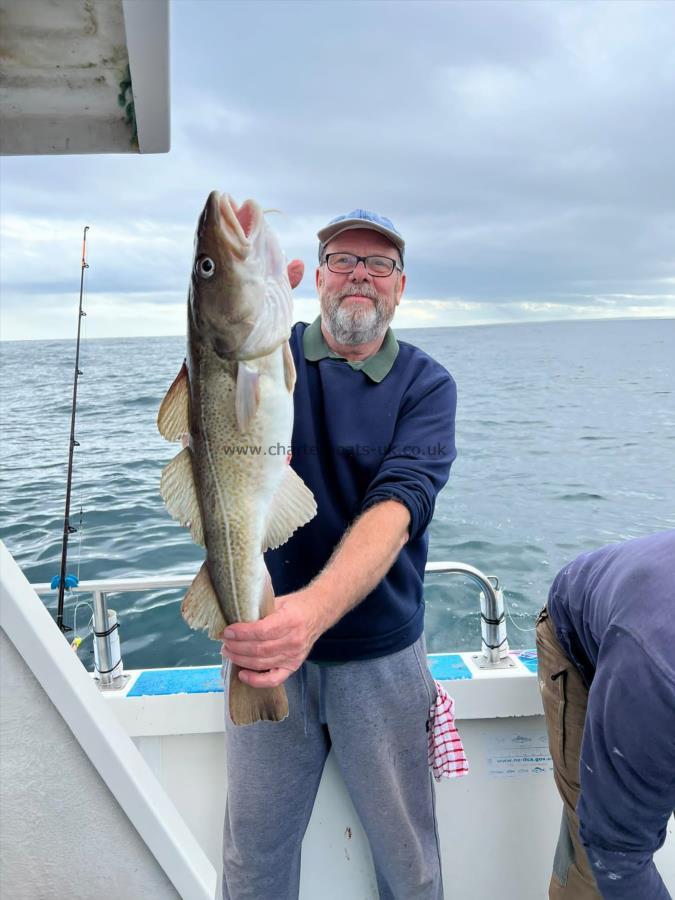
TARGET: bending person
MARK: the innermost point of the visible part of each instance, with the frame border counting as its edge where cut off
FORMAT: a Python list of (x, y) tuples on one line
[(606, 646)]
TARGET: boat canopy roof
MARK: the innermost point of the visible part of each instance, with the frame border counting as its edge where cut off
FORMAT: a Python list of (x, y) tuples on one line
[(84, 76)]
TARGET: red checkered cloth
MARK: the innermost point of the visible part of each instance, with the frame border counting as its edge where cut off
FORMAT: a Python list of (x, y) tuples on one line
[(446, 753)]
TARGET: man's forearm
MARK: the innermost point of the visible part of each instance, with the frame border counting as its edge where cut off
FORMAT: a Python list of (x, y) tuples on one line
[(360, 561), (267, 651)]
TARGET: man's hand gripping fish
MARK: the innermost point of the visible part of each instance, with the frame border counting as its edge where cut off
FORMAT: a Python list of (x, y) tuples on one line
[(232, 485)]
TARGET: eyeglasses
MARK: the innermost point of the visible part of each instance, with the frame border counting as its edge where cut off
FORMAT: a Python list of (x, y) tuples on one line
[(345, 263)]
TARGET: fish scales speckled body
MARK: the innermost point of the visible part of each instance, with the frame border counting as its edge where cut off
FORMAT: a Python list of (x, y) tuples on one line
[(232, 485), (235, 518)]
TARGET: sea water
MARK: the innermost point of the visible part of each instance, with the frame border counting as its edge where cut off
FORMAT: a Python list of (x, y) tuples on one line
[(565, 438)]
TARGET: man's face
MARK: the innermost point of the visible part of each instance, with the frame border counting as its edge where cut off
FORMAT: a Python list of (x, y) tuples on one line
[(357, 308)]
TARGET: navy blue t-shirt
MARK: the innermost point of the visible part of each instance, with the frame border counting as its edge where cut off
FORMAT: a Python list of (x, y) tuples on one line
[(613, 611), (357, 442)]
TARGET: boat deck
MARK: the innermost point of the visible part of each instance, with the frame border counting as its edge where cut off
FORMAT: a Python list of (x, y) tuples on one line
[(143, 768)]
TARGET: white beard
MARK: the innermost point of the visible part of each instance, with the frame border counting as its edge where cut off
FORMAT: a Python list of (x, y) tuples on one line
[(353, 325)]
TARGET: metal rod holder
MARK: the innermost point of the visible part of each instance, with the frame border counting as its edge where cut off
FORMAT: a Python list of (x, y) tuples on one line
[(105, 669), (494, 642)]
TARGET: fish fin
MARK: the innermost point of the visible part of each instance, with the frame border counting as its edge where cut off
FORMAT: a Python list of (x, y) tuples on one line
[(178, 490), (247, 396), (249, 704), (200, 607), (289, 367), (293, 506), (173, 418)]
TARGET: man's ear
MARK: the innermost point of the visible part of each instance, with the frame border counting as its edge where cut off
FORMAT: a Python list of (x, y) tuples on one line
[(319, 278), (401, 288)]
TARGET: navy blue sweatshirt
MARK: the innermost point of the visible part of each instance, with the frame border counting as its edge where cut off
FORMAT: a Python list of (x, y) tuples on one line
[(357, 442), (614, 614)]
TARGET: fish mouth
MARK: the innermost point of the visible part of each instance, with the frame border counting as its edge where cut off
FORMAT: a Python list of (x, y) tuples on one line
[(239, 224)]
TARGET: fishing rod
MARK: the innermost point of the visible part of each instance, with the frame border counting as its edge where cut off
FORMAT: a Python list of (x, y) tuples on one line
[(63, 579)]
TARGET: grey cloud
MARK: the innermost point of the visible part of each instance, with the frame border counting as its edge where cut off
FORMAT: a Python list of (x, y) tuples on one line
[(525, 149)]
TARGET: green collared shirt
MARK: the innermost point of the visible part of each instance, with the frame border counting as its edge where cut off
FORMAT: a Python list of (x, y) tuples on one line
[(376, 366)]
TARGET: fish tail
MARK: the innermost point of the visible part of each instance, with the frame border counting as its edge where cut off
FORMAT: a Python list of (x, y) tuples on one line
[(249, 704)]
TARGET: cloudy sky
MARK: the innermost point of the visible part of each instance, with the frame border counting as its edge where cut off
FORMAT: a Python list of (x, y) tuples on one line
[(525, 150)]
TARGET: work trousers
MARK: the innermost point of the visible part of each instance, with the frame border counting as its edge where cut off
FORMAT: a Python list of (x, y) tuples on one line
[(374, 715), (565, 698)]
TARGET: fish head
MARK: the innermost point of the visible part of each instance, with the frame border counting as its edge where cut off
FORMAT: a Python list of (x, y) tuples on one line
[(240, 297)]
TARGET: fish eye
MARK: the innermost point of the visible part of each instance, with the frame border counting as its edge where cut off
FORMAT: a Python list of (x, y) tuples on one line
[(205, 267)]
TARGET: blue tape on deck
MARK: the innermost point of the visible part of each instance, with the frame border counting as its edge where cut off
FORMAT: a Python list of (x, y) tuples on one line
[(529, 659), (159, 682), (448, 666)]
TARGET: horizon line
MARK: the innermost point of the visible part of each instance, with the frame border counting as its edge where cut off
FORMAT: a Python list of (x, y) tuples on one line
[(141, 337)]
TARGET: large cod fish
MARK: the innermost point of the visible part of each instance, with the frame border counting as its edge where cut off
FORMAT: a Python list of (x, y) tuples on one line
[(232, 485)]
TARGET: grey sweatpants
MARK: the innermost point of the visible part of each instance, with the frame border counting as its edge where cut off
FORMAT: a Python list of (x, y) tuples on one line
[(374, 715)]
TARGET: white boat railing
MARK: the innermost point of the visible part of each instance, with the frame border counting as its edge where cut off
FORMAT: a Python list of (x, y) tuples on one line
[(494, 643)]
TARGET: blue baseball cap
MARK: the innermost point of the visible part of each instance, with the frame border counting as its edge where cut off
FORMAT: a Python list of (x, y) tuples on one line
[(360, 218)]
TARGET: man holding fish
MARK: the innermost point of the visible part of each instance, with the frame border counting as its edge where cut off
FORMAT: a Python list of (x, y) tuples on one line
[(346, 634), (342, 629)]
